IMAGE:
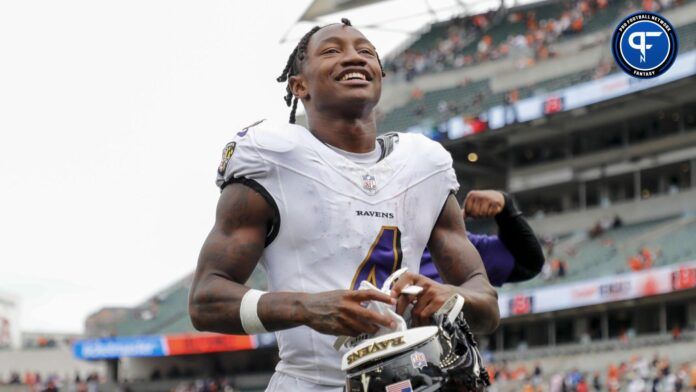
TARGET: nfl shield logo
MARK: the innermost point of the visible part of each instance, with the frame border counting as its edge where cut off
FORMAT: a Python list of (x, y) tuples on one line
[(369, 183), (418, 360)]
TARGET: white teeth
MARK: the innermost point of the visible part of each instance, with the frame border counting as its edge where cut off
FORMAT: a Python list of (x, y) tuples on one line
[(353, 75)]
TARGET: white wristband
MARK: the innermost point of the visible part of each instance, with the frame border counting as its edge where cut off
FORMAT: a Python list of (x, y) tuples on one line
[(248, 312)]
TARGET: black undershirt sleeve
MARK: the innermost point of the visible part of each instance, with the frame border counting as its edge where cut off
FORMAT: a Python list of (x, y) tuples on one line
[(274, 224), (516, 234)]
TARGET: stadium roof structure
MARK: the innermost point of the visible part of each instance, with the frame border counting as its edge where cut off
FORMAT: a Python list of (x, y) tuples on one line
[(405, 18), (327, 7), (320, 8)]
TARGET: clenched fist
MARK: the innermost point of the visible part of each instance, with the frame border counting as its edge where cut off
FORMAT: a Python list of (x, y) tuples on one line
[(483, 204)]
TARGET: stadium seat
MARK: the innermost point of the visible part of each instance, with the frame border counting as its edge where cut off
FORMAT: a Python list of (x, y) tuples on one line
[(670, 240)]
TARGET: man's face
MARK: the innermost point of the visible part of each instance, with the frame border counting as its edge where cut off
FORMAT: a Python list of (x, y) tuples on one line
[(340, 71)]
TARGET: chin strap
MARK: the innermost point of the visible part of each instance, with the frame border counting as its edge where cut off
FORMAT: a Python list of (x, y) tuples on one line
[(451, 308), (464, 360)]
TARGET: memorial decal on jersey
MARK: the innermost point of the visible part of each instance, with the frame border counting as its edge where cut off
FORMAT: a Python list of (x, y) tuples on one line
[(226, 156), (369, 183)]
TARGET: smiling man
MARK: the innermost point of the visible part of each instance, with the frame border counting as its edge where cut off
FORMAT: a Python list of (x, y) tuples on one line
[(325, 208)]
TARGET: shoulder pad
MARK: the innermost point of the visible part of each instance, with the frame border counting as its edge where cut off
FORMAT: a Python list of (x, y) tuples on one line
[(276, 138), (429, 149)]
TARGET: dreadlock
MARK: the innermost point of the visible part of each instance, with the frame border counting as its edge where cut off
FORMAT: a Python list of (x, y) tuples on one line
[(292, 67)]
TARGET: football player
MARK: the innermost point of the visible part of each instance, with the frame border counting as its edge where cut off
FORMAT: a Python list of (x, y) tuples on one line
[(514, 255), (324, 208)]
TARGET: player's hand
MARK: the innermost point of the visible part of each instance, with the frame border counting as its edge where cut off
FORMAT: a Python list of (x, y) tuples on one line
[(429, 301), (483, 204), (341, 312)]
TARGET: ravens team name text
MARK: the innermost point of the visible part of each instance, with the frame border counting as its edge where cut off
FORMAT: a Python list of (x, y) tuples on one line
[(376, 214)]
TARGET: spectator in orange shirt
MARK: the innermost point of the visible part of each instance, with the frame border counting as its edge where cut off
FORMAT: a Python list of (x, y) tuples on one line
[(647, 257), (635, 263), (612, 372), (676, 332), (416, 94), (577, 25)]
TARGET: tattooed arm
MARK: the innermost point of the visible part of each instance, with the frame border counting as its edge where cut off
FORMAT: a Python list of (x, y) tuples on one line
[(460, 264), (228, 258), (457, 260)]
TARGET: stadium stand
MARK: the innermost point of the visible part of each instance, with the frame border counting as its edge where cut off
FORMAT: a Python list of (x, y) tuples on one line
[(456, 100), (662, 362), (464, 41), (35, 369), (473, 97), (164, 313), (159, 314), (470, 98), (475, 39), (588, 255)]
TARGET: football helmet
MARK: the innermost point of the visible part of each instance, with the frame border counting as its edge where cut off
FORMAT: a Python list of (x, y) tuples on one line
[(443, 357)]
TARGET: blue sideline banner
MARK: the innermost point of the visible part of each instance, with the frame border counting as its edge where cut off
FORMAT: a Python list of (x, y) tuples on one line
[(117, 347)]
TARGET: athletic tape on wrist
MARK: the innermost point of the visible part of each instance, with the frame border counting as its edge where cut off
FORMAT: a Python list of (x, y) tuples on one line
[(248, 312)]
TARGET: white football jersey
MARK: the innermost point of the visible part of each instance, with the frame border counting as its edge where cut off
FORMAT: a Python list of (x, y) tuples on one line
[(338, 222)]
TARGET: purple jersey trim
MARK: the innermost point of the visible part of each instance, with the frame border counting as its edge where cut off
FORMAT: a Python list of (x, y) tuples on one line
[(497, 259)]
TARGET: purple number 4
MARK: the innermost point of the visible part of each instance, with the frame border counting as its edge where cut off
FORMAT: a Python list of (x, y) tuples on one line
[(382, 260)]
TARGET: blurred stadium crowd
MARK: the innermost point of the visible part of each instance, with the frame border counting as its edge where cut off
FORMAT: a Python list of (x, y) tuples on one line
[(637, 374), (53, 382), (525, 36)]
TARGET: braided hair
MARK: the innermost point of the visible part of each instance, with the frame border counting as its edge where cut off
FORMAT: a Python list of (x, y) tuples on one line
[(292, 67)]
